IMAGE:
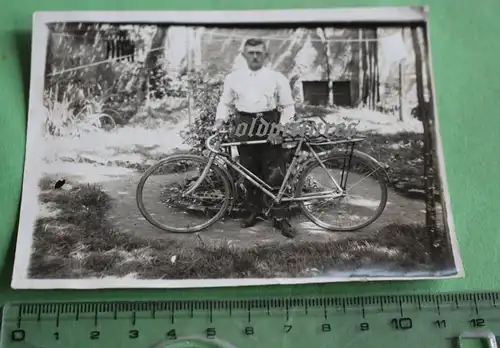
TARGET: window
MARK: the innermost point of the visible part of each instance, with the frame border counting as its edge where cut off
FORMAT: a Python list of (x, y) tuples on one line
[(316, 93)]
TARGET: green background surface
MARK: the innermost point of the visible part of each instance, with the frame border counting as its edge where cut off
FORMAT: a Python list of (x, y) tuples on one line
[(465, 48)]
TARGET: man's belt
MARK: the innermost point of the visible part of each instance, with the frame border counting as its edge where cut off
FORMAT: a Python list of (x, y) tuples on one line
[(258, 114)]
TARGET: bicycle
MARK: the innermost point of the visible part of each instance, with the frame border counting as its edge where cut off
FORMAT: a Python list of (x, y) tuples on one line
[(219, 164)]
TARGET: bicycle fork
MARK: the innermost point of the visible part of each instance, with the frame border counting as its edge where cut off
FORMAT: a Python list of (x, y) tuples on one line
[(202, 176)]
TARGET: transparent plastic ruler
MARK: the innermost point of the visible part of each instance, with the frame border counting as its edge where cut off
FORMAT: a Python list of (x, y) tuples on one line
[(423, 320)]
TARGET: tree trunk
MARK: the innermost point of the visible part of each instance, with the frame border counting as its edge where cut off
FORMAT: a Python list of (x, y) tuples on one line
[(370, 73), (426, 116), (359, 50), (365, 81), (376, 79), (401, 83), (142, 80), (190, 72), (400, 91), (328, 64), (441, 241), (370, 94)]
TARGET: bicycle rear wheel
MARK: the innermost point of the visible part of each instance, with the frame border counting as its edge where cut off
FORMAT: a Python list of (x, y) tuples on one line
[(161, 196), (106, 121), (365, 183)]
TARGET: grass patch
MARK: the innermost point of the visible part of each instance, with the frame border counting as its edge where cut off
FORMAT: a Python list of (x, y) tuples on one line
[(46, 183), (404, 155), (79, 242)]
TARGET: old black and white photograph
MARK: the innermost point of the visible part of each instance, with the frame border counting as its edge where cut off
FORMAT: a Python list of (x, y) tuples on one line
[(201, 149)]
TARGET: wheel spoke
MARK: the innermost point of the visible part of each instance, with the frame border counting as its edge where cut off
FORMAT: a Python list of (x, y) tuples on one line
[(373, 171), (357, 208)]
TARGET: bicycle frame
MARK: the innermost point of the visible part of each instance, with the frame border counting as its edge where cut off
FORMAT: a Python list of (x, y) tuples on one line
[(256, 181)]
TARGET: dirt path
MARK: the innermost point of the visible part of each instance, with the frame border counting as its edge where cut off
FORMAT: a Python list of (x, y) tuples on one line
[(126, 217)]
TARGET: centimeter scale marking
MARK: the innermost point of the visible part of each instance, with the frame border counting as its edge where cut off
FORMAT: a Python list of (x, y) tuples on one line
[(383, 320)]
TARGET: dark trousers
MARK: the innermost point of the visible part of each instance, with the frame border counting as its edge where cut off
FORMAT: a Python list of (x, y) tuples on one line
[(266, 161)]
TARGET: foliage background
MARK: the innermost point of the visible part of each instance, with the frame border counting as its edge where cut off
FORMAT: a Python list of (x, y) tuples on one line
[(463, 137), (159, 67)]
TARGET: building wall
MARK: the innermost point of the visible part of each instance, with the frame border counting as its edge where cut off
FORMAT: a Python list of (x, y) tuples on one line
[(305, 54)]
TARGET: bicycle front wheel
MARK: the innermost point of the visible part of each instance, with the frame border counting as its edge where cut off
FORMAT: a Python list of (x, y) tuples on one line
[(364, 182), (164, 201)]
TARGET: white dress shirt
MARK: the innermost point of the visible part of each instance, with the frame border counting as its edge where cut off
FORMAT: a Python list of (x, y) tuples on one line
[(256, 91)]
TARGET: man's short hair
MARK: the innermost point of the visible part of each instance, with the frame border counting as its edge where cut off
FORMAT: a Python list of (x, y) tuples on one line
[(254, 42)]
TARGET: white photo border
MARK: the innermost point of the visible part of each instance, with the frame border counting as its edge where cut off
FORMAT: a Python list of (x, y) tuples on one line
[(34, 142)]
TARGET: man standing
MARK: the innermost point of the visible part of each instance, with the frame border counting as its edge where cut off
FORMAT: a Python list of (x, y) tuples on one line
[(259, 96)]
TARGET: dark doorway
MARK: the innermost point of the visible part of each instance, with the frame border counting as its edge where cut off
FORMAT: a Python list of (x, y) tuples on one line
[(342, 93), (315, 92)]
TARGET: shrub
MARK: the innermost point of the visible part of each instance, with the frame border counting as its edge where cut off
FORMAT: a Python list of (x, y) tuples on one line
[(206, 94)]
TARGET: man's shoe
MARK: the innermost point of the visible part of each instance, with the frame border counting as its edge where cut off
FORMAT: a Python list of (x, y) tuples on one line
[(251, 220), (284, 226)]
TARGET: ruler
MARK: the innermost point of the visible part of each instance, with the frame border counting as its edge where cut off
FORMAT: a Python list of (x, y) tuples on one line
[(417, 320)]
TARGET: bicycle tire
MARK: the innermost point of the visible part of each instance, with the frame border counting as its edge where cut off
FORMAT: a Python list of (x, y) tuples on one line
[(173, 158), (356, 156), (113, 114), (108, 117)]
